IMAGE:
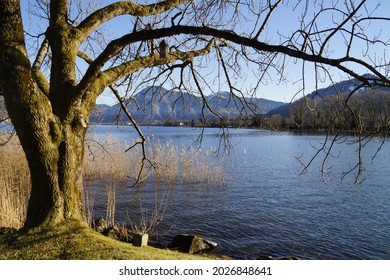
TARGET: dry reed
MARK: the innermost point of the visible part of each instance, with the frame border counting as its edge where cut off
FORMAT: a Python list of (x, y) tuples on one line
[(168, 164), (14, 183), (105, 160)]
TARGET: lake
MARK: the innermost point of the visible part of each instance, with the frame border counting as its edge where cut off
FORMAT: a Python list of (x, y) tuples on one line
[(264, 205)]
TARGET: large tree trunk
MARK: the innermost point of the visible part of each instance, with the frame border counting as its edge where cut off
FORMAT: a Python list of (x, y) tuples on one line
[(54, 151), (56, 180), (53, 142)]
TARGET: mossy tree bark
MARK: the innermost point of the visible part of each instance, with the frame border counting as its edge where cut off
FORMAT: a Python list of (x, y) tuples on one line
[(51, 133)]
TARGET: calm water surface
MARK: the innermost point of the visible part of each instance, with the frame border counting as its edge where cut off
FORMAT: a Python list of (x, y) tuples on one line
[(265, 206)]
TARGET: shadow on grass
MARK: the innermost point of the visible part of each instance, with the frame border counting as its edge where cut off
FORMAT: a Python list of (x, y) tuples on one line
[(74, 240)]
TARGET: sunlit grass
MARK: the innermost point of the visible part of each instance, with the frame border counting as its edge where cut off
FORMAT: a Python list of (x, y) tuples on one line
[(74, 240)]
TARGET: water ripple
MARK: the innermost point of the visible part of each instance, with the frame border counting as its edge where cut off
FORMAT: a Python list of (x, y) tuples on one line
[(267, 208)]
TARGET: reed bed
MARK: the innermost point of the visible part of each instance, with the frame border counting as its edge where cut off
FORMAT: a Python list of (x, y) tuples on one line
[(106, 160), (14, 183), (184, 166), (166, 163)]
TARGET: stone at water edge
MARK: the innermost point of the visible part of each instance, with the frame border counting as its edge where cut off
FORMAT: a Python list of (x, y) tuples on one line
[(119, 233), (100, 225), (140, 239), (191, 243)]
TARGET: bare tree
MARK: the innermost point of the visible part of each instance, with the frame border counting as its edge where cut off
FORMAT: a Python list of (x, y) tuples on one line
[(49, 92)]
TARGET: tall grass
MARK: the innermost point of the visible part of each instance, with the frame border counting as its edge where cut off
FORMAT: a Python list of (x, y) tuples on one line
[(168, 164), (14, 183), (106, 160)]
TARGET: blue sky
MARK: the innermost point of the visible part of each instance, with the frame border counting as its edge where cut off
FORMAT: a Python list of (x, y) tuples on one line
[(283, 21), (289, 22)]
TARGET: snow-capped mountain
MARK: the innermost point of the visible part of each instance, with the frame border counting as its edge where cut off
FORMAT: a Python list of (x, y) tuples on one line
[(157, 104)]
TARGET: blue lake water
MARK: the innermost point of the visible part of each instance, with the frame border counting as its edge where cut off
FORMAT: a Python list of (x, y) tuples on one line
[(265, 206)]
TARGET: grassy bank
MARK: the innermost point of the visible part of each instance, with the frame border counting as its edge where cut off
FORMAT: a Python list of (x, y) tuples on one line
[(74, 240)]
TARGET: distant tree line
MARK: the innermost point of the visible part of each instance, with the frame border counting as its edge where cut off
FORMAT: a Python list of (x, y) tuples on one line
[(364, 112), (233, 122)]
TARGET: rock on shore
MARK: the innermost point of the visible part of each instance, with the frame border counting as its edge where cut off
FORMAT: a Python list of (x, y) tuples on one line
[(191, 243)]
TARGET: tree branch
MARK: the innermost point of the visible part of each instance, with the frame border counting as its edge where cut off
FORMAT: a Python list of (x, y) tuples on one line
[(41, 54), (58, 12), (265, 22), (40, 79), (116, 45), (123, 8), (340, 26), (111, 75), (142, 142), (85, 57)]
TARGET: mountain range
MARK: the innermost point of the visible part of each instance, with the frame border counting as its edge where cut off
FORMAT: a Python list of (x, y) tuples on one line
[(339, 89), (154, 105)]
